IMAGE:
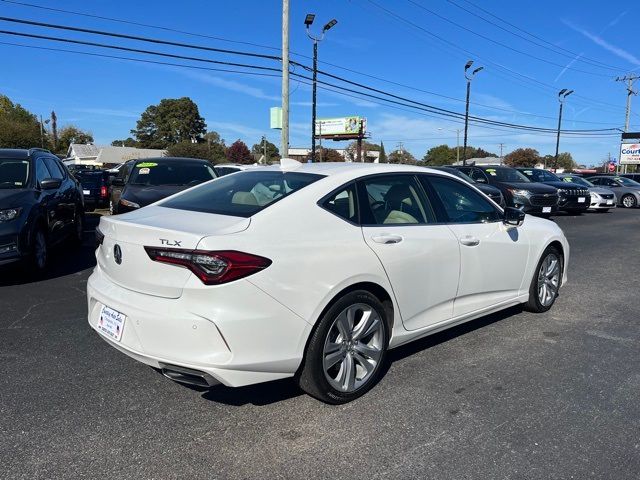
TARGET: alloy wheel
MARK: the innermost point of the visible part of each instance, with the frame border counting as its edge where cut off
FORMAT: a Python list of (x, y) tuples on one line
[(549, 279), (353, 348), (629, 201), (40, 250)]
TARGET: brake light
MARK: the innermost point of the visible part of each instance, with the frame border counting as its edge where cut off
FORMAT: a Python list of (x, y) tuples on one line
[(103, 191), (212, 268)]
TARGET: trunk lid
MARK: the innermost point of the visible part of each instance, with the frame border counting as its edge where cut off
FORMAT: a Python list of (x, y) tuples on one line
[(156, 226)]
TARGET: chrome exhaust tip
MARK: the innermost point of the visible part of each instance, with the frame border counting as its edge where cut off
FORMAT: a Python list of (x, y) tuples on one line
[(188, 376)]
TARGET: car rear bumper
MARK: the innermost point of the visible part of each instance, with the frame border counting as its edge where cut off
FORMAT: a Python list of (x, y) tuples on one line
[(234, 333)]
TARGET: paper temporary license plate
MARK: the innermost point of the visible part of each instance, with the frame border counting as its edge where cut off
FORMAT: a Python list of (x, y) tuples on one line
[(86, 192), (111, 323), (609, 202), (581, 199), (546, 209)]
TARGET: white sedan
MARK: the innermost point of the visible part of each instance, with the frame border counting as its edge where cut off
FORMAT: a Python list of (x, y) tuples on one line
[(312, 271)]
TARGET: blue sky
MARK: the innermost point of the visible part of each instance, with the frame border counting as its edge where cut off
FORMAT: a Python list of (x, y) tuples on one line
[(424, 51)]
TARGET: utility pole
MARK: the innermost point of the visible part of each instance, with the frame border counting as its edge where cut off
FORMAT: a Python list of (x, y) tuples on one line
[(562, 94), (469, 77), (41, 133), (284, 140), (308, 21), (264, 149), (630, 91)]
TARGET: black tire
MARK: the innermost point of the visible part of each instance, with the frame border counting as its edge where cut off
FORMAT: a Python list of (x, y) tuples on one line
[(78, 229), (602, 210), (534, 304), (628, 201), (112, 208), (311, 376), (39, 256)]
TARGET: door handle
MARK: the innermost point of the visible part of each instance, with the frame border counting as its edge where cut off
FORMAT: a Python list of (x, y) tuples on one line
[(469, 241), (386, 238)]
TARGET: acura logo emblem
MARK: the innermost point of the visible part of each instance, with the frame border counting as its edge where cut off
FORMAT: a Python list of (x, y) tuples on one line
[(117, 254)]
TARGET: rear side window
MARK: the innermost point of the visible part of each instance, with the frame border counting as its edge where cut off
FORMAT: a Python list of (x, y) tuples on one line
[(242, 195), (343, 203), (154, 173)]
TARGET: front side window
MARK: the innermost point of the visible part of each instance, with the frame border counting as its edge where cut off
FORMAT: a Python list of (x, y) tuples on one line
[(393, 199), (243, 194), (42, 173), (54, 168), (462, 204), (14, 173), (343, 203)]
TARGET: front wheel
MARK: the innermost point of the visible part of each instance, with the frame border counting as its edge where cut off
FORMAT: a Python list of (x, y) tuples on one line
[(78, 229), (545, 282), (347, 350), (39, 251), (629, 201)]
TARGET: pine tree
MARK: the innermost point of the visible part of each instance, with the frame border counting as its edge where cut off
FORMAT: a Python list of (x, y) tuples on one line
[(383, 155)]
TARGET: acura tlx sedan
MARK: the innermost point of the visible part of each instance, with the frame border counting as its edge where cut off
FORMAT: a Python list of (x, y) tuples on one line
[(312, 271)]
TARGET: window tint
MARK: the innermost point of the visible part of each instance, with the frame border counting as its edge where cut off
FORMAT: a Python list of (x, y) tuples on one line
[(242, 195), (478, 175), (461, 203), (506, 174), (393, 199), (343, 204), (154, 173), (41, 170), (14, 173), (54, 168)]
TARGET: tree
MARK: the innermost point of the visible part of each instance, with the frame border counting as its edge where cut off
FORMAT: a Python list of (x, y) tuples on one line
[(72, 134), (523, 157), (565, 161), (440, 155), (19, 128), (127, 142), (328, 155), (54, 130), (273, 154), (402, 156), (213, 152), (171, 121), (351, 152), (238, 152), (473, 152), (383, 155)]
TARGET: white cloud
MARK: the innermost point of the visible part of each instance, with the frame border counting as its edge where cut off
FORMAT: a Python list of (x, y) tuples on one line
[(227, 128), (108, 112), (619, 52), (229, 85)]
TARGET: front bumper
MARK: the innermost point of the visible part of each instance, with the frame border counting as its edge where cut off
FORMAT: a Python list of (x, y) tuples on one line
[(13, 246), (572, 203), (235, 333), (600, 203)]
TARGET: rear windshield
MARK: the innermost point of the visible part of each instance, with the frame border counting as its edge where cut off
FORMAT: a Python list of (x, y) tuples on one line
[(14, 173), (171, 173), (506, 175), (242, 194)]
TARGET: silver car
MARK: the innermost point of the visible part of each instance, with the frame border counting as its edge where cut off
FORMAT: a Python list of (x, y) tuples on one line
[(627, 191), (602, 199)]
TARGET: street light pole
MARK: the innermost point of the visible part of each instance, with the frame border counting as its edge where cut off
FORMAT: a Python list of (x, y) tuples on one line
[(469, 77), (308, 21), (562, 94)]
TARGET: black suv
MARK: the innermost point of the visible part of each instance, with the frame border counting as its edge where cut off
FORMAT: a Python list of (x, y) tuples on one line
[(571, 197), (40, 204), (518, 191)]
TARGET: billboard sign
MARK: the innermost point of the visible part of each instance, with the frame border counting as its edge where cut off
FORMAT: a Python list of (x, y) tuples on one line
[(630, 154), (340, 126)]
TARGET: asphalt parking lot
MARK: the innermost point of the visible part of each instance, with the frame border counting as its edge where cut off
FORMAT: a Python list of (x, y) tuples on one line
[(514, 395)]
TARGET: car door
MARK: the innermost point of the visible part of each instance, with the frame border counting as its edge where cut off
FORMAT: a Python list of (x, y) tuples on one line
[(49, 201), (493, 257), (65, 208), (420, 256)]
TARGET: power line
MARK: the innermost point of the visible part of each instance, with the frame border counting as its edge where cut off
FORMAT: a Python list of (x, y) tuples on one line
[(540, 59), (550, 46)]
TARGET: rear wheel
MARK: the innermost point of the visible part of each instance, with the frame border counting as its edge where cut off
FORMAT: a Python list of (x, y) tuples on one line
[(545, 282), (628, 201), (78, 228), (347, 350)]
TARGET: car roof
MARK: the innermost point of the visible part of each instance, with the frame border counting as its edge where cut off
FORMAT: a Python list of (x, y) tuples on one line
[(170, 159), (356, 168)]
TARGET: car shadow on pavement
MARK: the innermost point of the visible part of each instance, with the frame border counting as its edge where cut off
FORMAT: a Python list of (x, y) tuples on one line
[(64, 259), (262, 394)]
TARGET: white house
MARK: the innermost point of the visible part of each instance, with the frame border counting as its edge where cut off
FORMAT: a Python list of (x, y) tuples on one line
[(301, 154), (80, 154)]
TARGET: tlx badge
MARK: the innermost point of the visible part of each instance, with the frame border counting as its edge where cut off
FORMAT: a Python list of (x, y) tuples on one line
[(170, 243)]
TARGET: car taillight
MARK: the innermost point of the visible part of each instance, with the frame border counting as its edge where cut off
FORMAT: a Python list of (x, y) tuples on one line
[(212, 268), (103, 191)]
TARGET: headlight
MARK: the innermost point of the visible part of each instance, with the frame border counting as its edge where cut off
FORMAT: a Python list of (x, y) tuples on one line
[(129, 204), (594, 195), (9, 214), (519, 193)]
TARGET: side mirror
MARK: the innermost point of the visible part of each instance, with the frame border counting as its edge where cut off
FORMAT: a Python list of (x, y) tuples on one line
[(50, 183), (117, 182), (513, 217)]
